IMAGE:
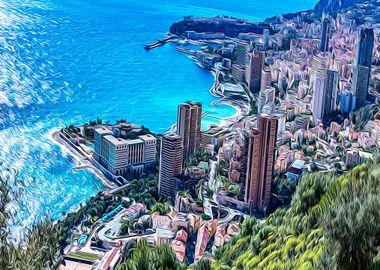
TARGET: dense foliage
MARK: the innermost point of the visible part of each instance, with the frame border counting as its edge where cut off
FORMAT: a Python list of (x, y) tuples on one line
[(43, 242), (146, 257), (39, 250), (142, 190), (361, 117), (333, 222)]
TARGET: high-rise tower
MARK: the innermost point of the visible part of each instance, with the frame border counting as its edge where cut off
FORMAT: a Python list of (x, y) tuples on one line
[(254, 69), (324, 96), (260, 161), (189, 127), (326, 35), (364, 47), (362, 69), (171, 160), (360, 84)]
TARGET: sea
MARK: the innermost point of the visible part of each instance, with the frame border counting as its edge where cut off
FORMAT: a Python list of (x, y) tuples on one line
[(66, 62)]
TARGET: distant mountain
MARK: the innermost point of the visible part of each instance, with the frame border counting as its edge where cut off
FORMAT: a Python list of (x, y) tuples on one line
[(332, 6)]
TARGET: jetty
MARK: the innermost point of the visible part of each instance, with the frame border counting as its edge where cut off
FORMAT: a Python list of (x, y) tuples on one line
[(159, 42), (187, 51)]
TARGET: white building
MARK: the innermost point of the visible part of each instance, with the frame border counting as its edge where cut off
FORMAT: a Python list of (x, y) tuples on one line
[(150, 148), (115, 154), (120, 156), (266, 99)]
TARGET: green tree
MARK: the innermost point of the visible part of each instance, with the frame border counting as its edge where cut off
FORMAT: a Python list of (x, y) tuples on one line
[(162, 208), (166, 259), (125, 226), (333, 222), (39, 248), (353, 229), (141, 258), (203, 264)]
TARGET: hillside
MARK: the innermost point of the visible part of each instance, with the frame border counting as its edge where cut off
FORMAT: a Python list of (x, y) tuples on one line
[(333, 222)]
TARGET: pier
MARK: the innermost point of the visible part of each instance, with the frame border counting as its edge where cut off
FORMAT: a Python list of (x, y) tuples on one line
[(159, 42), (187, 51)]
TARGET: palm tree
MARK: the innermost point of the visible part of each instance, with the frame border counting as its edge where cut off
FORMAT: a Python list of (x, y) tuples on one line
[(246, 227), (141, 257), (129, 248), (203, 264), (166, 259)]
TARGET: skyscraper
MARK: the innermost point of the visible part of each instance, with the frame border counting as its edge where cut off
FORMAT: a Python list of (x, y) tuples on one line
[(254, 69), (364, 47), (319, 96), (331, 93), (266, 34), (252, 176), (324, 96), (362, 70), (360, 83), (171, 159), (189, 127), (260, 161), (240, 54), (326, 35)]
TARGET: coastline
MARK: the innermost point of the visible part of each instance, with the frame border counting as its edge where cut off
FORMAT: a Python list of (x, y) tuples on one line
[(222, 99), (83, 162)]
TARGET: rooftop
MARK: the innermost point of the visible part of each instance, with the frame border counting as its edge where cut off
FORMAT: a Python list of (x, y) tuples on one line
[(135, 141), (147, 137), (103, 131), (115, 141)]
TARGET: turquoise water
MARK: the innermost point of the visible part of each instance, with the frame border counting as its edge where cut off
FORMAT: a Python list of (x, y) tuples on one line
[(67, 62)]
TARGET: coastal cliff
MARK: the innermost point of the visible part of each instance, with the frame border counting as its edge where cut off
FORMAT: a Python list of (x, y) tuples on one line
[(229, 26), (232, 27)]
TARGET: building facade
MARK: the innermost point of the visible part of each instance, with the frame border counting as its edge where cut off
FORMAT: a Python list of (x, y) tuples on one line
[(189, 127), (326, 34), (240, 54), (254, 69), (266, 78), (120, 156), (360, 84), (362, 70), (150, 148), (364, 47), (325, 95), (171, 161), (260, 162), (266, 98)]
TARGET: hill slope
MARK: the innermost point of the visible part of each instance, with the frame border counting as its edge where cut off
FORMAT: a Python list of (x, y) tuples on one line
[(333, 223)]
